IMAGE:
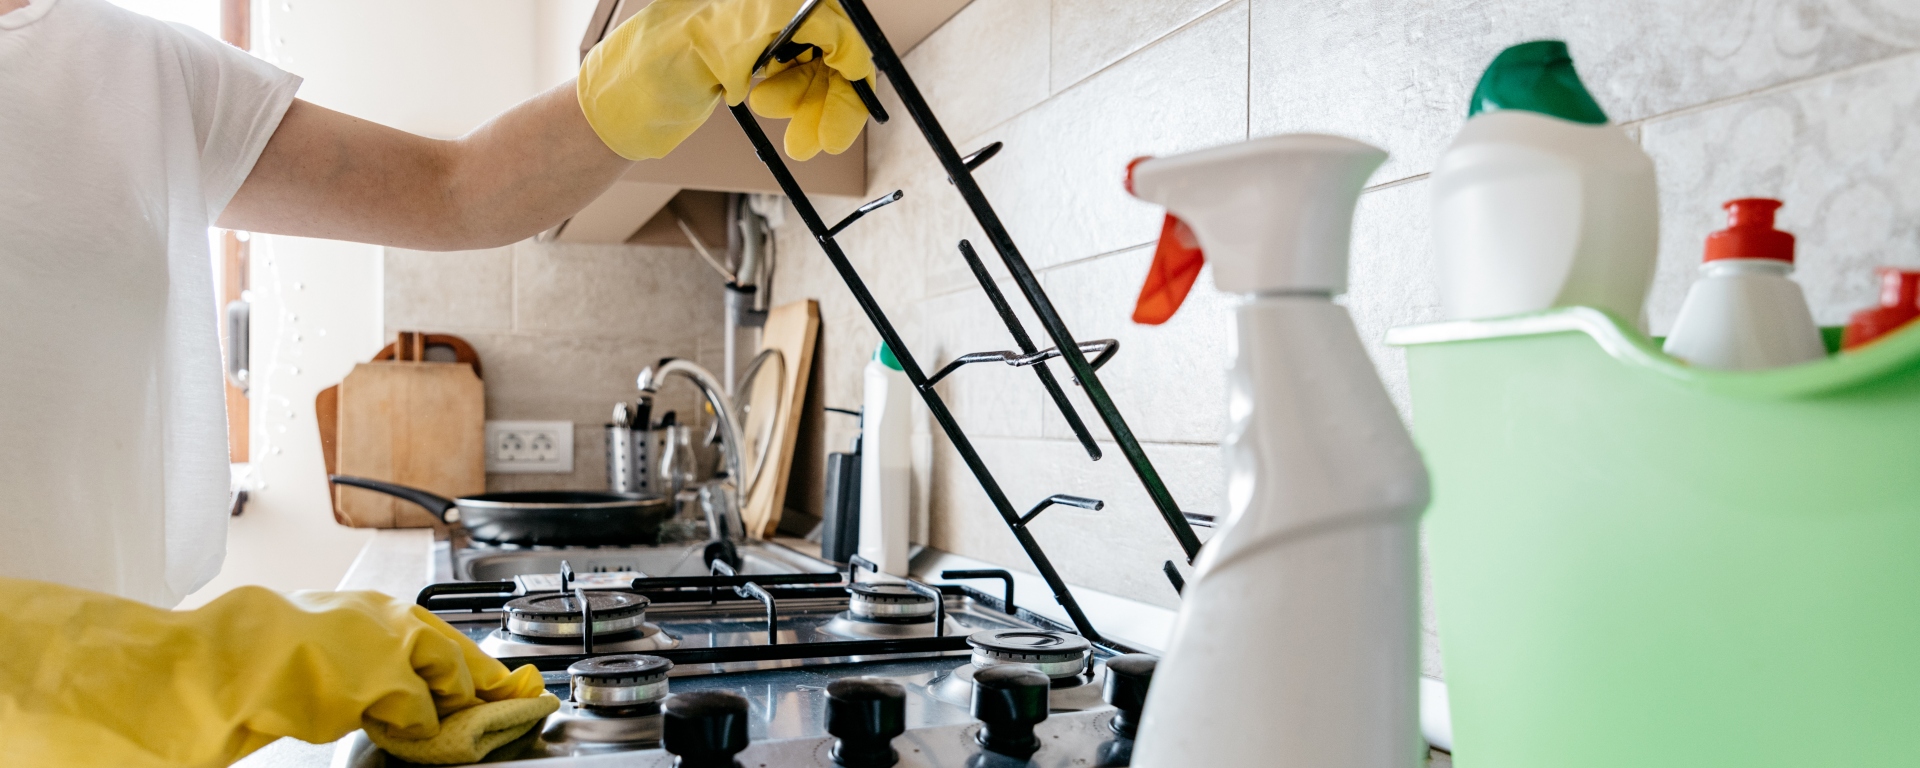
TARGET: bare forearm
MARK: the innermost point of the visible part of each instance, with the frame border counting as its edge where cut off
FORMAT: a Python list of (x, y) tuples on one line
[(531, 168), (329, 175)]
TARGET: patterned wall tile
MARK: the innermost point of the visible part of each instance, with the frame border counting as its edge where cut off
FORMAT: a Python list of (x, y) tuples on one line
[(1399, 74), (1842, 152)]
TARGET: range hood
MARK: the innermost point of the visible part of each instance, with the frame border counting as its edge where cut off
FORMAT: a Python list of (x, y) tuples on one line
[(642, 207)]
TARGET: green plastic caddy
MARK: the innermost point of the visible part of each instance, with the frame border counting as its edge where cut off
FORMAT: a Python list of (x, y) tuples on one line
[(1638, 563)]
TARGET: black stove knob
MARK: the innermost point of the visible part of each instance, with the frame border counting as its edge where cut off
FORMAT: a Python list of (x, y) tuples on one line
[(705, 728), (1009, 700), (1128, 677), (865, 714)]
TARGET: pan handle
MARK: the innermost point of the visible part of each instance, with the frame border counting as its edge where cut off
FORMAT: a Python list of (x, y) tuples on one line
[(442, 507)]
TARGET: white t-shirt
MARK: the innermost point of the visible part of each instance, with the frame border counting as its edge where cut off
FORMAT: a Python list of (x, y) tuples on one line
[(121, 139)]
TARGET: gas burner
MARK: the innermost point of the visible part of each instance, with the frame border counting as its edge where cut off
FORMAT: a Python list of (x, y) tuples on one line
[(551, 625), (884, 610), (615, 701), (897, 603), (1062, 657), (1056, 654)]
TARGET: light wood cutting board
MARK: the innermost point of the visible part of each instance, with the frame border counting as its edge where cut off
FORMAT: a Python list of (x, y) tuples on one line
[(793, 329), (419, 424)]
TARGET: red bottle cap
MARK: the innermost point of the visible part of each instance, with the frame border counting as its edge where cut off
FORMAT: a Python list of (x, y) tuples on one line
[(1750, 233), (1899, 305)]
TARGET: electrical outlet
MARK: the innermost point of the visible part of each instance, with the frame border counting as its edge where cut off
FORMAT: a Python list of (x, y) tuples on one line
[(530, 447)]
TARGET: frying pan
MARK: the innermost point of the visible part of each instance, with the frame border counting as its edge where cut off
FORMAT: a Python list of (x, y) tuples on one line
[(552, 518)]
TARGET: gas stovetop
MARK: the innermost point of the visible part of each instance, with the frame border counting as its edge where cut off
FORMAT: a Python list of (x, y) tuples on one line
[(805, 666)]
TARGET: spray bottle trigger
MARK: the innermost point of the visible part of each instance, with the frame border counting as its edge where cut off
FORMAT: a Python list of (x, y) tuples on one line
[(1177, 260), (1176, 265)]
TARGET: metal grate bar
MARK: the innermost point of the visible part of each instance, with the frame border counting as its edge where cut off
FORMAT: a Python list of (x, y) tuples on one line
[(961, 175), (937, 407)]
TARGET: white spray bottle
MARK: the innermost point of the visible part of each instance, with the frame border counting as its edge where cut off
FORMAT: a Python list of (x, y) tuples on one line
[(1297, 640)]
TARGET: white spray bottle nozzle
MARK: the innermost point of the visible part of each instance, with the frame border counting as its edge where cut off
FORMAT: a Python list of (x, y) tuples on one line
[(1272, 214)]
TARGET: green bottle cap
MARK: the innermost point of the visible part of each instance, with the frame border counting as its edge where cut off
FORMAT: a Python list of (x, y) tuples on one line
[(886, 358), (1536, 77)]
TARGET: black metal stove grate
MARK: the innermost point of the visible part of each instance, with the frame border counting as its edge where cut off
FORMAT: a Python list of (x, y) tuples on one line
[(960, 174)]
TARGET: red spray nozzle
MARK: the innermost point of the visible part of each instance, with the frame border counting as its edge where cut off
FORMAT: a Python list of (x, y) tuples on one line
[(1177, 260), (1750, 233), (1899, 305)]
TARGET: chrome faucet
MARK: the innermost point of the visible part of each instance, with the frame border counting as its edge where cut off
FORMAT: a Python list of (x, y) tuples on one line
[(650, 380)]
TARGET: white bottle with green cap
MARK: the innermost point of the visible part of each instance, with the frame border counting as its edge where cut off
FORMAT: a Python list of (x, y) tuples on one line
[(886, 463), (1540, 202)]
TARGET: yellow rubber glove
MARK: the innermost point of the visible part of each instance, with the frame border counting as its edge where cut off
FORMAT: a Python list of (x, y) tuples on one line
[(822, 109), (647, 86), (90, 679)]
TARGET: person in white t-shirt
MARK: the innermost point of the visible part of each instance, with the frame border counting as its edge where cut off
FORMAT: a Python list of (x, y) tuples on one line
[(122, 139)]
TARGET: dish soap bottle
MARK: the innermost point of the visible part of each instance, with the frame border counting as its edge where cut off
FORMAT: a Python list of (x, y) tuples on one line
[(1539, 202), (1744, 314), (1297, 638), (886, 463), (1899, 306)]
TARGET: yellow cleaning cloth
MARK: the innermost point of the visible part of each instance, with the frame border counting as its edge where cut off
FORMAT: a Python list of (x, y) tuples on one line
[(91, 679), (657, 78), (467, 735)]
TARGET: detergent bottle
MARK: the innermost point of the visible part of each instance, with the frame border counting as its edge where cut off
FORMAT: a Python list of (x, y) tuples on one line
[(1539, 202), (886, 464), (1297, 638), (1744, 313)]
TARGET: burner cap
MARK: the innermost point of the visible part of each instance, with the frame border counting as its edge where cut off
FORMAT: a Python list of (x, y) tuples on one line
[(626, 680), (624, 669), (884, 601), (1058, 654), (557, 615)]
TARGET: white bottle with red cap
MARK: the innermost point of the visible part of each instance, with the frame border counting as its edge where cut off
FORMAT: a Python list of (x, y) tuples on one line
[(1744, 313)]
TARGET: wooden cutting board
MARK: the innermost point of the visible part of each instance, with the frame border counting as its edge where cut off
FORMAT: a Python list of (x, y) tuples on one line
[(411, 422), (793, 329)]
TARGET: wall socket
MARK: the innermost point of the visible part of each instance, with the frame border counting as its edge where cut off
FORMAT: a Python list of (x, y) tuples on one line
[(530, 447)]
